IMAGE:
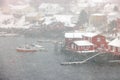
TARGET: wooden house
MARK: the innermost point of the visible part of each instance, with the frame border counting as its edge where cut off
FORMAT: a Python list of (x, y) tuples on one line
[(82, 46), (98, 40), (114, 46), (71, 37)]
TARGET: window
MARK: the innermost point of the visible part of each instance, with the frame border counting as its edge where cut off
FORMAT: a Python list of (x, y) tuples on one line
[(98, 39), (118, 49), (113, 49), (72, 46)]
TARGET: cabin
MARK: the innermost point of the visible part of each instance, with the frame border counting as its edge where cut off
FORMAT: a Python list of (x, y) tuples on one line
[(72, 36), (114, 46), (82, 46), (98, 40)]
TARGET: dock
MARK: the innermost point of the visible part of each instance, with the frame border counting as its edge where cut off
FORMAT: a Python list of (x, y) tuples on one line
[(114, 61), (81, 62)]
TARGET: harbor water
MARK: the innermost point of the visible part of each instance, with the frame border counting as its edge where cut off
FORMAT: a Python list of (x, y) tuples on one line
[(46, 65)]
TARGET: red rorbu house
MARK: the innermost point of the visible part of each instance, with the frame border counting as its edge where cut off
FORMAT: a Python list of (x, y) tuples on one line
[(82, 46), (114, 47), (71, 37), (98, 40)]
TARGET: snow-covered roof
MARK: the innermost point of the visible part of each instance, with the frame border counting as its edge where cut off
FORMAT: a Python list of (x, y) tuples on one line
[(48, 20), (115, 43), (83, 43), (66, 19), (45, 5), (33, 14), (98, 14), (18, 7), (79, 34), (90, 34), (73, 35)]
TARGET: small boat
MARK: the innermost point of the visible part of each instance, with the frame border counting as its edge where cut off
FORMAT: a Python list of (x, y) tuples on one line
[(38, 47), (44, 41), (26, 49), (5, 34)]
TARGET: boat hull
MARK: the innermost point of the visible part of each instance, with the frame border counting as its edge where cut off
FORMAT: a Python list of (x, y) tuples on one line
[(26, 50)]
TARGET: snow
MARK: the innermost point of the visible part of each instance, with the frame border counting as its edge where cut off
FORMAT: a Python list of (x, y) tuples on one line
[(113, 16), (90, 34), (73, 35), (11, 22), (48, 20), (18, 7), (115, 43), (33, 14), (109, 7), (98, 14), (46, 5), (65, 19), (89, 51), (50, 8), (80, 34), (83, 43)]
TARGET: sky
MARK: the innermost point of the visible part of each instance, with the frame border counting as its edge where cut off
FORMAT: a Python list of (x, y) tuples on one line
[(4, 2)]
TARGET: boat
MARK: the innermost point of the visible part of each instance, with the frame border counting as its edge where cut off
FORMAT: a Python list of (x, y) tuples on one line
[(26, 49), (38, 47), (5, 34), (44, 41)]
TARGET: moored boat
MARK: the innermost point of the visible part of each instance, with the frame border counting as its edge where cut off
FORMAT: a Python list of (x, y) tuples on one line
[(5, 34), (26, 49)]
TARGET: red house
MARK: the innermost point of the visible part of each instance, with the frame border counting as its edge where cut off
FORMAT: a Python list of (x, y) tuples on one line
[(114, 47), (82, 46), (70, 37), (98, 40)]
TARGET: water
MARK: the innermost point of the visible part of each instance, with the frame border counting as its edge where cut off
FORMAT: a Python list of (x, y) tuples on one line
[(46, 65)]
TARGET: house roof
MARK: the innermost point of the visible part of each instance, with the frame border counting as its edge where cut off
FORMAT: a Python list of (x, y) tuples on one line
[(83, 43), (98, 14), (73, 35), (18, 7), (115, 43), (80, 34), (90, 34)]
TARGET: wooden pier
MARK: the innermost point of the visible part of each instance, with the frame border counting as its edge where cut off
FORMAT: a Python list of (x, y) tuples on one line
[(81, 62)]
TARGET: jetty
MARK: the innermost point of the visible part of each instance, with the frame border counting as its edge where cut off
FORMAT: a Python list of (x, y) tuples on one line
[(81, 62)]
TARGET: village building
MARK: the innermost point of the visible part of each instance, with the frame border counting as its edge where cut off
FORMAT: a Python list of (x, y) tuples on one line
[(98, 19), (71, 37), (114, 46), (82, 46), (98, 40)]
